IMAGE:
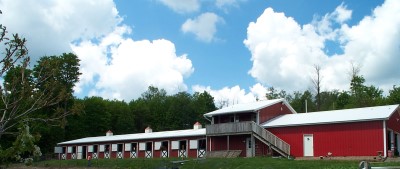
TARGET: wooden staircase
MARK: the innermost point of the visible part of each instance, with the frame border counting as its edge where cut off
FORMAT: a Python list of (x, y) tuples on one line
[(271, 140), (250, 127)]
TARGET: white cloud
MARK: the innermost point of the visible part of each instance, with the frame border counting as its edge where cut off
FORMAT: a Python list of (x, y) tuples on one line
[(125, 68), (182, 6), (374, 43), (112, 65), (225, 4), (50, 26), (342, 14), (204, 26), (233, 95), (284, 52)]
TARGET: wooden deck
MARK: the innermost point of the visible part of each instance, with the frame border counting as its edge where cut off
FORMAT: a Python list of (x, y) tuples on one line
[(249, 127)]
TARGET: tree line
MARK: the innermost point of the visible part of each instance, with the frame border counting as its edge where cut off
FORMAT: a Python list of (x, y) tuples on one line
[(358, 95)]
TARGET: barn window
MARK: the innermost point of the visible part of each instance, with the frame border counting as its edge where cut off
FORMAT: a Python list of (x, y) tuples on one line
[(149, 146), (107, 148), (133, 146), (182, 145), (202, 144), (142, 146), (90, 148), (175, 145), (157, 145), (119, 148), (164, 145)]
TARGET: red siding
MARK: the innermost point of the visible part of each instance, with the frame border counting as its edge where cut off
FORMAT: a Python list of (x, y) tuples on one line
[(261, 149), (192, 153), (394, 122), (236, 142), (273, 111), (344, 139), (218, 143)]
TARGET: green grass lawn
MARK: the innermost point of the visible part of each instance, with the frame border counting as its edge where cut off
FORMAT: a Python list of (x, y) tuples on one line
[(210, 163)]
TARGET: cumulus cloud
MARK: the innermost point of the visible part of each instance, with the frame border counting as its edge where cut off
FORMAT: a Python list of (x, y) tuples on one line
[(122, 68), (50, 26), (180, 6), (228, 96), (284, 52), (204, 27), (113, 66)]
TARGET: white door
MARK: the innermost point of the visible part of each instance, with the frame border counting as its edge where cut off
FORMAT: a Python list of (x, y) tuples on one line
[(248, 147), (308, 145)]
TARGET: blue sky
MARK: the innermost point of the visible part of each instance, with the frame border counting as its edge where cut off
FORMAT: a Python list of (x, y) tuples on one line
[(234, 49)]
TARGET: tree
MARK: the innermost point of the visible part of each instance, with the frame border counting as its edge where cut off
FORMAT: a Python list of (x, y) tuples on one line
[(303, 102), (180, 113), (394, 95), (364, 96), (316, 80), (24, 92), (277, 94), (202, 103), (122, 119)]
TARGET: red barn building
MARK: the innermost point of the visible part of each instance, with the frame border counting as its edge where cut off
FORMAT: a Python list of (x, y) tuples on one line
[(238, 128), (351, 132), (178, 143), (270, 127)]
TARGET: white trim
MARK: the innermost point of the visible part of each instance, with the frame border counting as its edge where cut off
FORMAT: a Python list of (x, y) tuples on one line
[(210, 144), (384, 138)]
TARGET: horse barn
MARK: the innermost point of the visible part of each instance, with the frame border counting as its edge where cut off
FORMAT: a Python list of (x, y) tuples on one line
[(262, 128), (178, 143)]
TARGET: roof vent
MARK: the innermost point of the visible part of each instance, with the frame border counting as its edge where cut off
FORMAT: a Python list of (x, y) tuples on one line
[(148, 130), (109, 133), (197, 125)]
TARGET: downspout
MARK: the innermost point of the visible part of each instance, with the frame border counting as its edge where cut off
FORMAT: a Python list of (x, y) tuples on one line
[(384, 138)]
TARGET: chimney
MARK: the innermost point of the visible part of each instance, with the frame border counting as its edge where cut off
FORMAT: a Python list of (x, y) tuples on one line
[(148, 130), (197, 125), (109, 133)]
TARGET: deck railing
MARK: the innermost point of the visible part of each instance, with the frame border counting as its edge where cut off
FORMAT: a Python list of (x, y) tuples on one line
[(248, 127), (229, 128)]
